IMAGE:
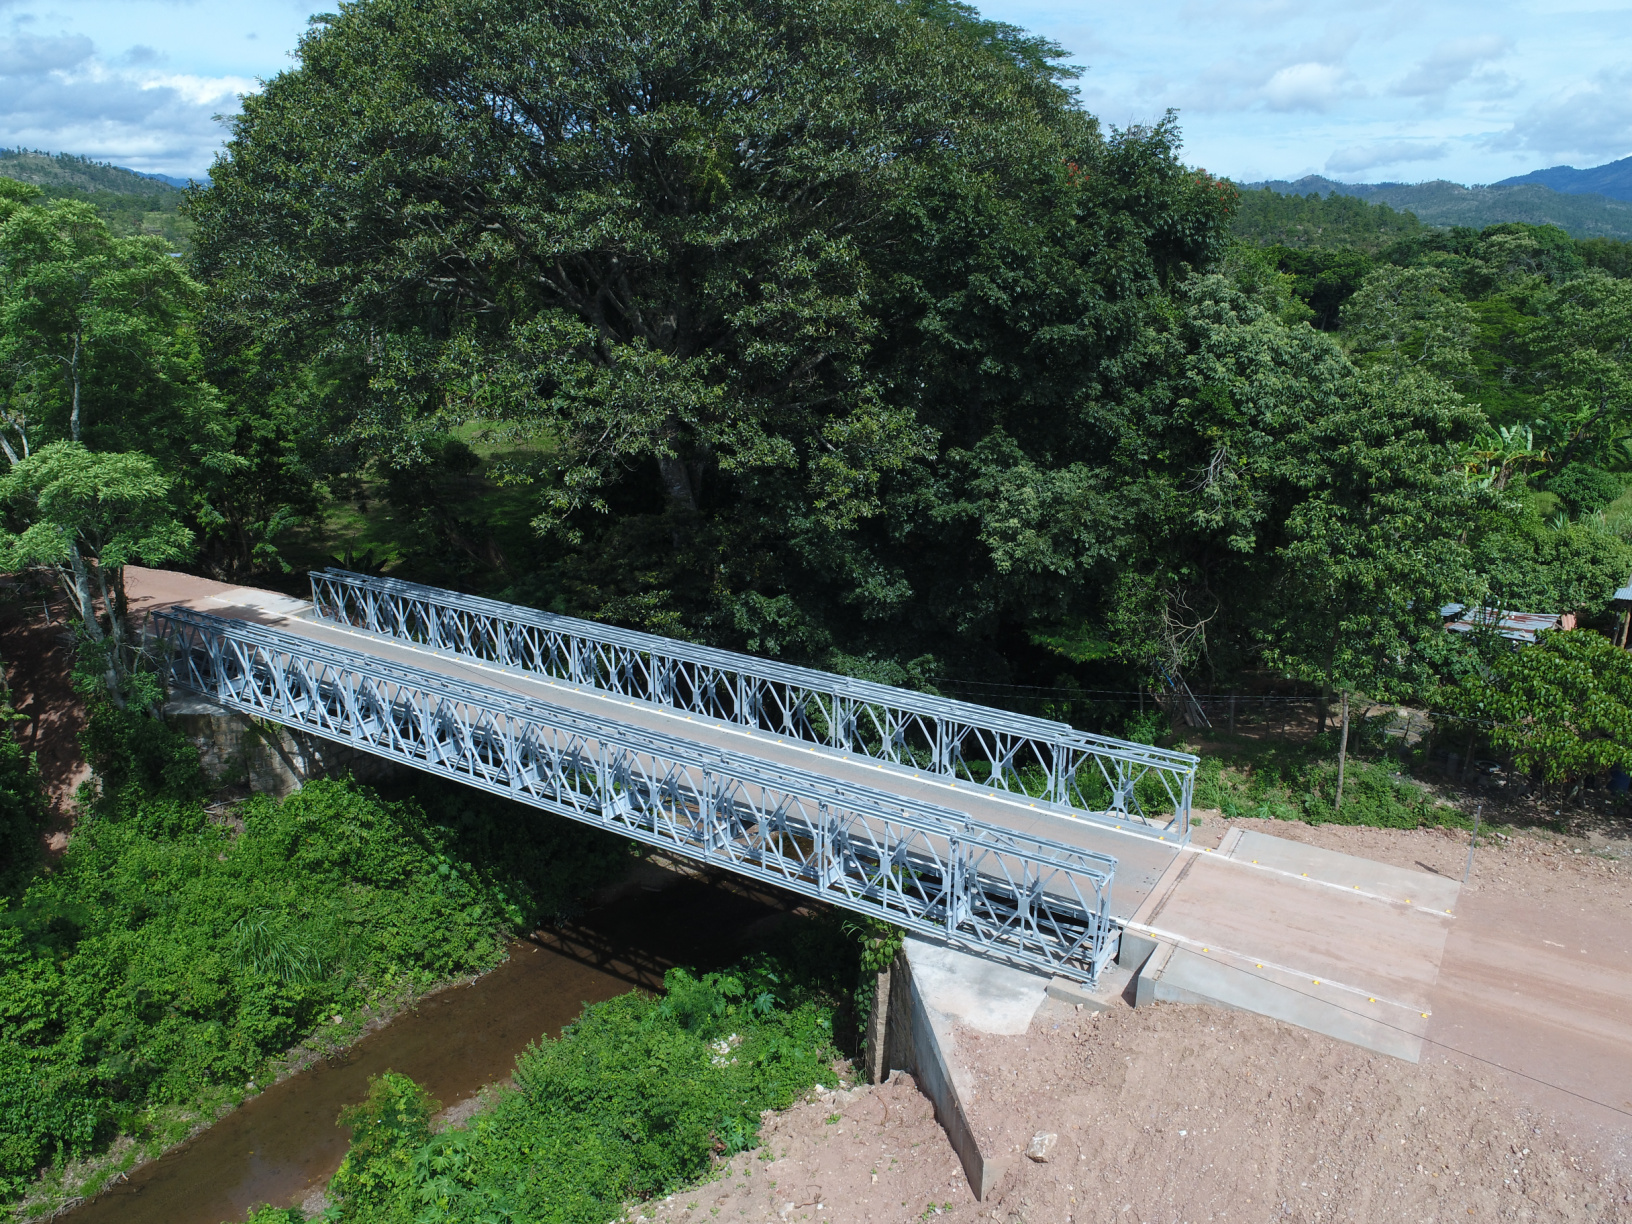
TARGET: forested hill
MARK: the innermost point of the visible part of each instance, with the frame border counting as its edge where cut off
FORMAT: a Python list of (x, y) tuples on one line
[(1442, 203), (59, 170), (130, 203), (1613, 179)]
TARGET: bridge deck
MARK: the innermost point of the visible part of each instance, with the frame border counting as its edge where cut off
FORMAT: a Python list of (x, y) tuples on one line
[(1141, 860)]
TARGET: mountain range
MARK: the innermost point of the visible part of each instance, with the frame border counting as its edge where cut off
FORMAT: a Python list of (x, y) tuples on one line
[(1613, 180), (1580, 213)]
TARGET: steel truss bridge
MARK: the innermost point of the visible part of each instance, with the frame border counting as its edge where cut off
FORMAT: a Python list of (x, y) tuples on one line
[(1079, 774), (998, 891)]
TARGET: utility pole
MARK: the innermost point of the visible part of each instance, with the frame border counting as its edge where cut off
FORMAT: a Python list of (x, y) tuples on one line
[(1342, 751)]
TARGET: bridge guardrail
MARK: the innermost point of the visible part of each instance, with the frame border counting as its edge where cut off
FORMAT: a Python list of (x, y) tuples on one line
[(1132, 786), (931, 870)]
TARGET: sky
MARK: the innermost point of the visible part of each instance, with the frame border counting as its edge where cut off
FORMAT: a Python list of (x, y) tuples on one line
[(1357, 90)]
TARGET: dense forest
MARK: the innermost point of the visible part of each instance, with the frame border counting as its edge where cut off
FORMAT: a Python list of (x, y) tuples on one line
[(943, 383), (839, 333)]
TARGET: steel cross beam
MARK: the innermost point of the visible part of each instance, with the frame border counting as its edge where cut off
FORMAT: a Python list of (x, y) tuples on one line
[(1132, 786), (932, 870)]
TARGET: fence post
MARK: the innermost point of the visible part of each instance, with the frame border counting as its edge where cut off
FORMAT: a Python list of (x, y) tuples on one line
[(1232, 714)]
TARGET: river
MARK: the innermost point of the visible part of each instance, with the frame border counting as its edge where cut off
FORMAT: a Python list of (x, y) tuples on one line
[(283, 1144)]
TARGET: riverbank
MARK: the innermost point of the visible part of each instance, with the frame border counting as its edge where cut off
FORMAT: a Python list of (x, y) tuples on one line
[(282, 1145)]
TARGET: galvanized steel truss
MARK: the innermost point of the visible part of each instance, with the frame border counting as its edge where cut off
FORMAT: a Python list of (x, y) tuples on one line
[(929, 869), (1130, 785)]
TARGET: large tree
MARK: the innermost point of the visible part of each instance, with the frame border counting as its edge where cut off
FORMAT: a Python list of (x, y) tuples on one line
[(761, 281)]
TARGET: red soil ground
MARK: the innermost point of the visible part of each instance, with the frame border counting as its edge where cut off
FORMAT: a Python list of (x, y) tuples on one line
[(1521, 1108)]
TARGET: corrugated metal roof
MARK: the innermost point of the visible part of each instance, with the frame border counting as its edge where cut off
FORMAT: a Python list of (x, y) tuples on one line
[(1516, 626)]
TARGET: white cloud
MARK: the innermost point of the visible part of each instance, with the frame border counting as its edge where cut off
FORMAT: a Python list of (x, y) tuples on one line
[(1309, 86), (1449, 64), (1310, 76), (1589, 119), (1368, 157), (203, 91), (55, 94)]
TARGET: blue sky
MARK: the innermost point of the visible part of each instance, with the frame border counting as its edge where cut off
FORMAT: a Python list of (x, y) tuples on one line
[(1360, 90)]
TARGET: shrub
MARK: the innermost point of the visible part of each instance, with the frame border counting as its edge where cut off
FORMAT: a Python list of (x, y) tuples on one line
[(22, 811), (1284, 784), (167, 957), (635, 1099), (1562, 707), (1584, 489)]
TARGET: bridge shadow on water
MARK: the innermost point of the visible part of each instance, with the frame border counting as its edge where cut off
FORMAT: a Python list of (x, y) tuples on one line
[(700, 922)]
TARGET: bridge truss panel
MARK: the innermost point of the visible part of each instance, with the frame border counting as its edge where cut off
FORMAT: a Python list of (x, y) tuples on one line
[(931, 870), (1132, 786)]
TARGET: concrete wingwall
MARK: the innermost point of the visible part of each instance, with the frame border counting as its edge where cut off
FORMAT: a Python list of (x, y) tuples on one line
[(234, 748), (906, 1033)]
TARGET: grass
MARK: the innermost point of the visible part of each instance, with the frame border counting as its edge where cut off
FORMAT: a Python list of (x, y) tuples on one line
[(1277, 781)]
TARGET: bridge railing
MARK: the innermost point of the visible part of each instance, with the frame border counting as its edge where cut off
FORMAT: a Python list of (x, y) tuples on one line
[(928, 869), (1131, 785)]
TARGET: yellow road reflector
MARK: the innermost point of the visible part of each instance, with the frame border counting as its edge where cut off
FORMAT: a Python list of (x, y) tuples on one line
[(1371, 1000), (1316, 981)]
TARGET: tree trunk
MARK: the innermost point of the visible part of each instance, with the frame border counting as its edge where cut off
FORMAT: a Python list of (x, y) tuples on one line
[(676, 483), (93, 624), (82, 592), (1342, 752), (73, 376)]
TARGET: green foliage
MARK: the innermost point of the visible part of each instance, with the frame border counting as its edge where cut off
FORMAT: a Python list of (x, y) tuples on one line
[(1612, 256), (1324, 278), (1299, 784), (97, 342), (23, 809), (167, 958), (1369, 559), (139, 764), (1410, 318), (130, 204), (635, 1099), (1531, 565), (1312, 222), (386, 1131), (1562, 708), (1441, 203), (1584, 489), (846, 295), (879, 942), (267, 1214)]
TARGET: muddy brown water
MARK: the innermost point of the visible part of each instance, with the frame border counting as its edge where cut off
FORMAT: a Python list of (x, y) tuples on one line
[(282, 1145)]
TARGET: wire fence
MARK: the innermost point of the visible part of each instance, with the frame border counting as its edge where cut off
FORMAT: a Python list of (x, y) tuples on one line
[(1286, 716)]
